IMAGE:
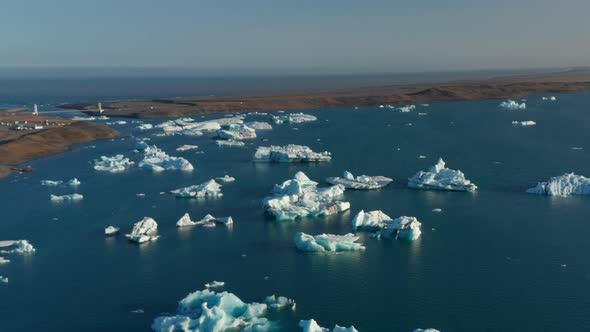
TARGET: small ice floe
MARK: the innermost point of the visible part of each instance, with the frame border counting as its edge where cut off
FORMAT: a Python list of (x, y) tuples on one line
[(111, 230), (293, 118), (157, 160), (426, 330), (437, 210), (409, 124), (120, 122), (441, 178), (563, 265), (257, 125), (207, 221), (137, 311), (381, 106), (327, 242), (114, 164), (407, 228), (577, 148), (312, 326), (290, 154), (4, 260), (66, 198), (3, 280), (186, 147), (524, 123), (563, 185), (49, 183), (225, 179), (422, 113), (230, 142), (207, 310), (552, 98), (406, 108), (145, 126), (421, 157), (215, 284), (362, 182), (209, 189), (236, 131), (143, 231), (140, 195), (16, 247), (512, 105), (300, 197)]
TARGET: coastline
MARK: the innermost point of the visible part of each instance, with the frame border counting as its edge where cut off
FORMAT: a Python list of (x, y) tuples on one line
[(518, 86), (18, 147)]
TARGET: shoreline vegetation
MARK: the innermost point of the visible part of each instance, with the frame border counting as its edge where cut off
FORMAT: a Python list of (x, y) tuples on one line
[(18, 146), (577, 80)]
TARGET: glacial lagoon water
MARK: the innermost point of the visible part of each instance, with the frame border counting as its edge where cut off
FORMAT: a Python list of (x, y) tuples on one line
[(495, 260)]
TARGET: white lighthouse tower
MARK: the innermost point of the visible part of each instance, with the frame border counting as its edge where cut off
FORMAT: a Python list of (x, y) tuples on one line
[(100, 110), (35, 110)]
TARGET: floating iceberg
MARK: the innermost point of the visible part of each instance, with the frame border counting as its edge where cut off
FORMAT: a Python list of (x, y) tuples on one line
[(230, 142), (64, 198), (207, 221), (408, 228), (49, 183), (73, 182), (4, 279), (4, 260), (236, 131), (16, 247), (300, 197), (312, 326), (114, 164), (552, 98), (257, 125), (512, 105), (111, 230), (564, 185), (362, 182), (143, 231), (293, 118), (327, 242), (441, 178), (186, 147), (187, 126), (215, 284), (524, 123), (226, 178), (290, 154), (158, 160), (206, 189), (209, 311), (406, 109), (145, 126), (426, 330)]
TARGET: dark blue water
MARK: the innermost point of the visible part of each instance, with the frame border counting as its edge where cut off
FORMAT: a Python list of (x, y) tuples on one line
[(491, 261)]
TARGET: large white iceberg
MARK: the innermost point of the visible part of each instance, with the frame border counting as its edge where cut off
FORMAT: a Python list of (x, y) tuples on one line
[(327, 242), (16, 247), (187, 126), (65, 198), (236, 131), (203, 190), (158, 160), (208, 311), (441, 178), (257, 125), (512, 105), (312, 326), (50, 183), (143, 231), (564, 185), (114, 164), (207, 221), (293, 118), (290, 154), (300, 197), (360, 182), (408, 228)]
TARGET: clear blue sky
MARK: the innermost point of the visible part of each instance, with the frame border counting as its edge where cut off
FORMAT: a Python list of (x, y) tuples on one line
[(296, 35)]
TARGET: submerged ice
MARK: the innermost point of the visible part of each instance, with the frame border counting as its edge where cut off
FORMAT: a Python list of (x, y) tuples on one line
[(563, 185), (300, 197), (327, 242), (441, 178), (361, 182), (290, 154)]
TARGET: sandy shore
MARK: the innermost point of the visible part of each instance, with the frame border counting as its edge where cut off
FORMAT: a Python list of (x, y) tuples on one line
[(493, 88), (17, 147)]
